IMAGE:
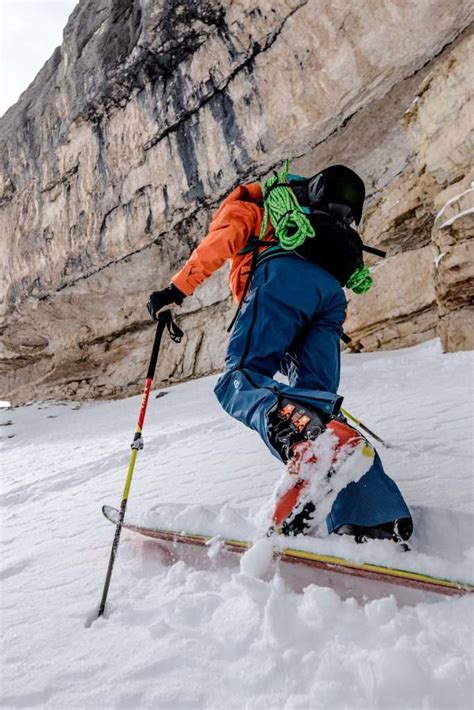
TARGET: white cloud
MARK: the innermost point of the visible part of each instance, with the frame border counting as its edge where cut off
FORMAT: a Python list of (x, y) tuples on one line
[(30, 31)]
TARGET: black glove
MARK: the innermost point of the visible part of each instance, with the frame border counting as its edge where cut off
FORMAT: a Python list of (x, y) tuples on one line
[(160, 299)]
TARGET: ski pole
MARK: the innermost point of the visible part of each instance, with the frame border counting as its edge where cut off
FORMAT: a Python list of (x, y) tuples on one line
[(366, 428), (164, 321)]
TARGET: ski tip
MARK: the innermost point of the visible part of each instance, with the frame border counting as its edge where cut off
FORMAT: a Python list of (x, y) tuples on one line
[(110, 513)]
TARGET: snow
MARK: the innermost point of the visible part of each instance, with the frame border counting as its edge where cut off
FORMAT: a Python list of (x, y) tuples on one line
[(256, 561), (459, 215), (351, 463), (178, 636), (454, 199)]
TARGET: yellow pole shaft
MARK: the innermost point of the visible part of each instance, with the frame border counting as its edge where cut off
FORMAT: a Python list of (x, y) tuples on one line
[(128, 480), (350, 416), (365, 428)]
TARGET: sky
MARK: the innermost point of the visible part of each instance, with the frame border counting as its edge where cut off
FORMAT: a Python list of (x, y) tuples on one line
[(30, 31)]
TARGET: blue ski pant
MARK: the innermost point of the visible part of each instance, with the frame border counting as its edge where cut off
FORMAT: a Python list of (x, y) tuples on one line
[(291, 322)]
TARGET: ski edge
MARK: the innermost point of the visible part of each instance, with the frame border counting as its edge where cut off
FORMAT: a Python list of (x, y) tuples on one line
[(313, 559)]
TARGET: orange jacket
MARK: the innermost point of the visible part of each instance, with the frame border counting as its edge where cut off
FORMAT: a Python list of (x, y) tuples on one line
[(238, 218)]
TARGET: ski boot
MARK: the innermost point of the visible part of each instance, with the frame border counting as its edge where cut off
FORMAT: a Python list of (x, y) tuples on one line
[(290, 423), (399, 531), (314, 450)]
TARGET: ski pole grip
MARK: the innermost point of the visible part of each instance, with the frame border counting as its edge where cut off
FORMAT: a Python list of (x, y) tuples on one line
[(165, 320)]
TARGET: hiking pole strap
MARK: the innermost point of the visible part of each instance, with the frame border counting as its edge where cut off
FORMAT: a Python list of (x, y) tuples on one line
[(165, 320)]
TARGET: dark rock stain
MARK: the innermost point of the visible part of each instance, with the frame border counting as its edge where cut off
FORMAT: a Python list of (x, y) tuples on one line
[(124, 25), (223, 111), (186, 136), (149, 222), (101, 150), (166, 200)]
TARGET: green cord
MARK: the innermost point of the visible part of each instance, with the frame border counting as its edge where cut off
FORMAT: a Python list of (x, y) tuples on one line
[(282, 209), (360, 281), (291, 225)]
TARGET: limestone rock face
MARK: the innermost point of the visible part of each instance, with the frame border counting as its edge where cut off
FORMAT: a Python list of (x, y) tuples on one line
[(404, 287), (114, 159), (454, 237)]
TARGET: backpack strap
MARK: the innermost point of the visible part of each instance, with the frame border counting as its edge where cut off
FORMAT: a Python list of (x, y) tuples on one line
[(255, 242), (252, 247), (373, 250)]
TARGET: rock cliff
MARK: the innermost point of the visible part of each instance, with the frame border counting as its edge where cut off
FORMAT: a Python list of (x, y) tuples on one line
[(151, 111)]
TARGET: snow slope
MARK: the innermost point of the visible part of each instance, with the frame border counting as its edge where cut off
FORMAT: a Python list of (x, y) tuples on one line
[(178, 637)]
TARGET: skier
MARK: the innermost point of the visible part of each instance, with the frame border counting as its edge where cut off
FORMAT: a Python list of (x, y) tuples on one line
[(292, 249)]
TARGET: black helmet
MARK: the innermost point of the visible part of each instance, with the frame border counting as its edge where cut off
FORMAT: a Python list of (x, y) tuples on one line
[(337, 188)]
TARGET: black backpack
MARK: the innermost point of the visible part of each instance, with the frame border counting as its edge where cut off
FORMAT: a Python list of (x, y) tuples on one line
[(337, 247)]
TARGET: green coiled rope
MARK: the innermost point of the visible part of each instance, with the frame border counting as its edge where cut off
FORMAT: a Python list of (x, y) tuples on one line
[(291, 225), (281, 207), (361, 280)]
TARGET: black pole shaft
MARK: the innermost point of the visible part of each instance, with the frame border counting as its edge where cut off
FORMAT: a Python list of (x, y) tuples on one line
[(113, 554)]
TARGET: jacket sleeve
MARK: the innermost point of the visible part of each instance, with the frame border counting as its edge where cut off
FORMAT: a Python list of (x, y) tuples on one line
[(228, 234)]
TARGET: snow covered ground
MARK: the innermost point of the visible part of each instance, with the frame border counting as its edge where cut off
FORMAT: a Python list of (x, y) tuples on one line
[(178, 637)]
